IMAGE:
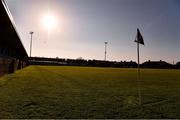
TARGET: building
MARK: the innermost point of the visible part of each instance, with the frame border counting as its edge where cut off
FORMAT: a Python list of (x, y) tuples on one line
[(156, 64)]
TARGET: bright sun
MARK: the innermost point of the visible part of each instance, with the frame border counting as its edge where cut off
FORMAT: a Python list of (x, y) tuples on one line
[(49, 21)]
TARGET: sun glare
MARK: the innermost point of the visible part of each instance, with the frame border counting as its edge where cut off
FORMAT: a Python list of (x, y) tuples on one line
[(49, 21)]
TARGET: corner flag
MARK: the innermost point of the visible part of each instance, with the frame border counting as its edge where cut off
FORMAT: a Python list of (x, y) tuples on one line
[(139, 38)]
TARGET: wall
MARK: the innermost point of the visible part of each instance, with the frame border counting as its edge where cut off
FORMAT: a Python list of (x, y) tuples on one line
[(10, 65)]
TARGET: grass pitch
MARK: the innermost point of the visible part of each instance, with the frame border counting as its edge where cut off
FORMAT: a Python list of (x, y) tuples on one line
[(89, 92)]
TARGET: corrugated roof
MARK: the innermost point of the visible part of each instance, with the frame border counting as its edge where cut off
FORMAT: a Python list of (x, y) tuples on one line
[(9, 37)]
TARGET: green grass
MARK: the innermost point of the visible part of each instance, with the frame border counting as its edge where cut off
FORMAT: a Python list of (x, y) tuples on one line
[(89, 92)]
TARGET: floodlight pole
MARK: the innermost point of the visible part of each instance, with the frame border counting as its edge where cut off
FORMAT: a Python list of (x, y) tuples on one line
[(31, 33), (105, 52)]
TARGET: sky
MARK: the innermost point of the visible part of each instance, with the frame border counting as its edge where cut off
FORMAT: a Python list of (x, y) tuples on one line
[(82, 26)]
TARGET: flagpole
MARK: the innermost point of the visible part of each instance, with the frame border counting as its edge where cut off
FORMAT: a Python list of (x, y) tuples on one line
[(139, 81)]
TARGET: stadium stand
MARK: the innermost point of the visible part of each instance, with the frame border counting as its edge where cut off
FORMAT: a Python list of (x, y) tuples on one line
[(80, 62), (12, 51)]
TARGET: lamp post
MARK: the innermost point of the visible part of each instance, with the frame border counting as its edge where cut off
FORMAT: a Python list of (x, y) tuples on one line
[(105, 52), (31, 33)]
